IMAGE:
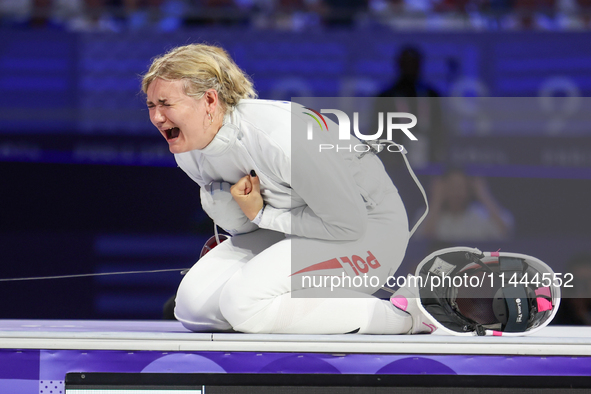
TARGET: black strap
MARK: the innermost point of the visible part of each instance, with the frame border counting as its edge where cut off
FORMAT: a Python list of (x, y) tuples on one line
[(511, 264), (515, 294), (517, 308)]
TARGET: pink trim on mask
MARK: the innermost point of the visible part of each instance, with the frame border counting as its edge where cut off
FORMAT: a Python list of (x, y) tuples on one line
[(494, 254), (543, 291), (497, 333), (543, 304)]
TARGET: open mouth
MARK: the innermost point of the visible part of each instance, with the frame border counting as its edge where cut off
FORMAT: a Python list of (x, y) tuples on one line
[(172, 133)]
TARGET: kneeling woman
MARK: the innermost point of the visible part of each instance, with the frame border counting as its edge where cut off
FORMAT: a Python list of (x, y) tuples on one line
[(295, 214)]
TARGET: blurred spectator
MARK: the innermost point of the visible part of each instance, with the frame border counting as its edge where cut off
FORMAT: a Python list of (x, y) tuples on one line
[(92, 15), (224, 12), (34, 13), (342, 13), (95, 15), (409, 63), (462, 208), (162, 15), (534, 13), (420, 6), (300, 15), (573, 14), (76, 15), (297, 15), (140, 14), (497, 12), (291, 15), (410, 93), (575, 305), (42, 15)]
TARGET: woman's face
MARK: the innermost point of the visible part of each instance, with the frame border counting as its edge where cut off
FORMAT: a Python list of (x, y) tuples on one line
[(182, 120)]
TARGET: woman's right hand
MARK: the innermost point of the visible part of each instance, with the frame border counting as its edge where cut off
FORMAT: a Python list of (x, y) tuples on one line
[(247, 193)]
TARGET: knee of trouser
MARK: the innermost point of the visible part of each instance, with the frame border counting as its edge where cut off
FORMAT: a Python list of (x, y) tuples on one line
[(238, 301), (231, 303), (198, 306), (188, 300)]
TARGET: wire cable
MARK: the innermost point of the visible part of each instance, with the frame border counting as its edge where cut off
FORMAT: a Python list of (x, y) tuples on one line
[(90, 275)]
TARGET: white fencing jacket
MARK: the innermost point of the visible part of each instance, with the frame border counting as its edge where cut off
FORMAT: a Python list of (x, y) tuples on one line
[(307, 192)]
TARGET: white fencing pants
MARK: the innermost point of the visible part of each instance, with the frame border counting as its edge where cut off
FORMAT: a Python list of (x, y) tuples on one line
[(248, 283)]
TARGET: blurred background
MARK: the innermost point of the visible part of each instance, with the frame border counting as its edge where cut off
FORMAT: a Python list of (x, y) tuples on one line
[(87, 185)]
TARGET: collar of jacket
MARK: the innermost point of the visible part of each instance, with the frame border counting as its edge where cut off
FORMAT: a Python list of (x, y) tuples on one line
[(225, 137)]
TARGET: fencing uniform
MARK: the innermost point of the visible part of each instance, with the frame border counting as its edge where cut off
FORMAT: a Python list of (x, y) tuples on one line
[(327, 214)]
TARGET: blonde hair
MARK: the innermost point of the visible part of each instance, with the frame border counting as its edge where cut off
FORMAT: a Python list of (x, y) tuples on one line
[(202, 67)]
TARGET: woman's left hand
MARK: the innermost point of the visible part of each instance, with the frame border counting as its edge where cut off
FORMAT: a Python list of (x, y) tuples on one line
[(247, 193)]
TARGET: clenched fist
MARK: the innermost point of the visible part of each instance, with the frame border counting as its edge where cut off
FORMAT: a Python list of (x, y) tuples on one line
[(247, 193)]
